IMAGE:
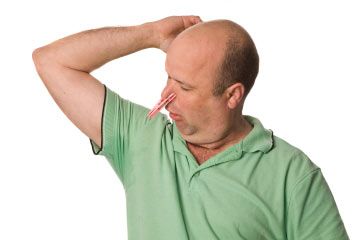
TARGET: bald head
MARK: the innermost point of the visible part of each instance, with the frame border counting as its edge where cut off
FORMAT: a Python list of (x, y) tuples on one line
[(228, 47)]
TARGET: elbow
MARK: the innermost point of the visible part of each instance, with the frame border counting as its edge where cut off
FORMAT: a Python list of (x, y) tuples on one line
[(42, 58), (35, 54), (43, 62), (38, 55)]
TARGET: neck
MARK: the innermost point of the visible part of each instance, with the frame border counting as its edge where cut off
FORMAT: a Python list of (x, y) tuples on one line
[(234, 135)]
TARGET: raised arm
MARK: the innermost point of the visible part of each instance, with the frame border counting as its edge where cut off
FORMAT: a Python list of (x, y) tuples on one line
[(65, 65)]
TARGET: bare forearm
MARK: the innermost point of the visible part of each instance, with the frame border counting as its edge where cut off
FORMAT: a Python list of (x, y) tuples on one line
[(88, 50)]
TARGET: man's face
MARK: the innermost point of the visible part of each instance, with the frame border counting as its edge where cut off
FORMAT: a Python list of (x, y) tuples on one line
[(200, 117)]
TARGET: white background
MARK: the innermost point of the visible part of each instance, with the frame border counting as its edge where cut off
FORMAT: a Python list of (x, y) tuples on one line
[(53, 187)]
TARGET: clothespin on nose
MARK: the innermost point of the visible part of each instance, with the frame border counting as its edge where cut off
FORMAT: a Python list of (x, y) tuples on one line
[(162, 103)]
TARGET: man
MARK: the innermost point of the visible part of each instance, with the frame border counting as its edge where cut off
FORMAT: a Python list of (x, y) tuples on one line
[(212, 173)]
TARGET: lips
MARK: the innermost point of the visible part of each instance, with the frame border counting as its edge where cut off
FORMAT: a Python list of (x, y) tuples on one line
[(174, 116)]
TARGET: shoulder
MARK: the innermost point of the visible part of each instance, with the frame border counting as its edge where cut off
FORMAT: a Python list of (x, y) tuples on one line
[(274, 149), (294, 164), (129, 121), (290, 154)]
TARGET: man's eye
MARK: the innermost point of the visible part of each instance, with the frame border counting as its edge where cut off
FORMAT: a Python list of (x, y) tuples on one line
[(185, 89)]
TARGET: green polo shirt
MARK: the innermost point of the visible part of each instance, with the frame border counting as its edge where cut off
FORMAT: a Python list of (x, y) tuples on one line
[(260, 188)]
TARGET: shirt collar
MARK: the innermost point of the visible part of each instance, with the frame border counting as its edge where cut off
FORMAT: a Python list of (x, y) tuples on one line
[(259, 138)]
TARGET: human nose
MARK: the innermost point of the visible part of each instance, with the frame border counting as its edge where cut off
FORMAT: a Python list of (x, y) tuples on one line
[(168, 89)]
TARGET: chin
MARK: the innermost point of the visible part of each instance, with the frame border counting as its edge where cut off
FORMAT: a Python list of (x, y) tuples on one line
[(187, 132), (194, 138)]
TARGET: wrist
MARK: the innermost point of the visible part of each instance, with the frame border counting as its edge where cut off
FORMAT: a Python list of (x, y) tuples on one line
[(151, 36)]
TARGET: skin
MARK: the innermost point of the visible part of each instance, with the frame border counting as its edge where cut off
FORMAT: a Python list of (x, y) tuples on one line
[(65, 65), (208, 123)]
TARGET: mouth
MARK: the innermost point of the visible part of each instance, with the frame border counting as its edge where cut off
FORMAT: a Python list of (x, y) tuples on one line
[(174, 116)]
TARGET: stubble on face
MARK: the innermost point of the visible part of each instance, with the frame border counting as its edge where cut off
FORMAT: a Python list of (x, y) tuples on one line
[(195, 57)]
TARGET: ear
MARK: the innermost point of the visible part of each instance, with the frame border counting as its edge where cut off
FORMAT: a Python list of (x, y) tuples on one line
[(235, 95)]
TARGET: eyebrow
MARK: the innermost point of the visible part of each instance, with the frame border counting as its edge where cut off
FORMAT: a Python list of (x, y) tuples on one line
[(181, 82)]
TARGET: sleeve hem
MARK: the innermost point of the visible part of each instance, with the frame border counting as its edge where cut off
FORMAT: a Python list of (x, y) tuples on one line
[(95, 148), (314, 171)]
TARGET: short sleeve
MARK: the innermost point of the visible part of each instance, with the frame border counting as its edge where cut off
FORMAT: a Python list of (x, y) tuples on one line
[(312, 211), (108, 119), (123, 124)]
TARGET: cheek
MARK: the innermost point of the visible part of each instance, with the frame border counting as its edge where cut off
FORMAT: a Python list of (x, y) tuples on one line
[(196, 109), (212, 112), (186, 103), (202, 112)]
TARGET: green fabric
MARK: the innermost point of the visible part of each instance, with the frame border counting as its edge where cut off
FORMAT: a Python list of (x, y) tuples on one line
[(259, 188)]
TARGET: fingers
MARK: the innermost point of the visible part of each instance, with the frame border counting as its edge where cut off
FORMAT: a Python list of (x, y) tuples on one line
[(168, 28), (191, 20), (196, 19)]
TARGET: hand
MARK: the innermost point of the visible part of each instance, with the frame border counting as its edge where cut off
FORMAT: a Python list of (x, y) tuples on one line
[(168, 28)]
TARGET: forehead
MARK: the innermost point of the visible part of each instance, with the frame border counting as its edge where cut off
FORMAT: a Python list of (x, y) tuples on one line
[(193, 59)]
